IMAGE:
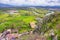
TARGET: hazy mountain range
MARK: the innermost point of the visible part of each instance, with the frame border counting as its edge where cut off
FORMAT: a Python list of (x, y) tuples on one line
[(5, 5), (8, 6)]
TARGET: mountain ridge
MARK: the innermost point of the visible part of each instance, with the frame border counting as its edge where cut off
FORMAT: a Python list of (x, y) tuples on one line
[(8, 6)]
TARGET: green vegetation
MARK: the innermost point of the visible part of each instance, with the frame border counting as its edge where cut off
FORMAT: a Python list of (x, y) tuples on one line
[(22, 19)]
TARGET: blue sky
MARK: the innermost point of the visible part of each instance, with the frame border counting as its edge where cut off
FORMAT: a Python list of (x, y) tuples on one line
[(32, 2)]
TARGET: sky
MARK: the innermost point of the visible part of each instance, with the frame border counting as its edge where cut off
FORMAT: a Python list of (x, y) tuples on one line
[(32, 2)]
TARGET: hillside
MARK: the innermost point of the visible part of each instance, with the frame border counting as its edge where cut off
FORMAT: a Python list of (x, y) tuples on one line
[(25, 19)]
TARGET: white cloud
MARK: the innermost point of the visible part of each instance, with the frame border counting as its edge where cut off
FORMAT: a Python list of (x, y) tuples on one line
[(32, 2)]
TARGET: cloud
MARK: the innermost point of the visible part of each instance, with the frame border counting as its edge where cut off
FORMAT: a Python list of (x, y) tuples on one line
[(32, 2)]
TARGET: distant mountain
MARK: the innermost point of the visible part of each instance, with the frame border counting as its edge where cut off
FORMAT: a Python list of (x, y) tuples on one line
[(47, 7), (5, 5), (25, 6)]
